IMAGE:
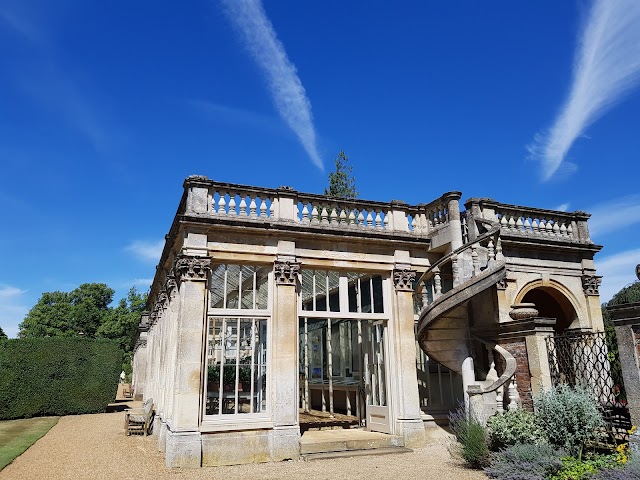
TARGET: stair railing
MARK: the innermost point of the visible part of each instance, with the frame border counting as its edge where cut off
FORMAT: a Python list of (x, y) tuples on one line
[(499, 395), (466, 262)]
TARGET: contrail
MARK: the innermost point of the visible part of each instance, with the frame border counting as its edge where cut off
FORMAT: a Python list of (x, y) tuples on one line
[(289, 95), (606, 67)]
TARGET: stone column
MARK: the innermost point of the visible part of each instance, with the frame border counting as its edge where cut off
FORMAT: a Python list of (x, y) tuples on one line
[(538, 356), (626, 318), (284, 362), (183, 447), (453, 207), (406, 399)]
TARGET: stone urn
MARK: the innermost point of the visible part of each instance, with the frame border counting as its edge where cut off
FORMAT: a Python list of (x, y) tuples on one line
[(522, 311)]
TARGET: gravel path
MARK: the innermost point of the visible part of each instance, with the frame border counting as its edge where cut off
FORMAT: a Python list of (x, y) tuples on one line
[(95, 447)]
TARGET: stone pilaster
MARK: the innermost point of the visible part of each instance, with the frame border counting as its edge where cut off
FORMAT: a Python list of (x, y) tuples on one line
[(284, 342), (183, 439), (626, 318), (409, 423)]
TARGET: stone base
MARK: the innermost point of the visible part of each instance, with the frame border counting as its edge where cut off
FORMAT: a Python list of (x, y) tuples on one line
[(183, 449), (162, 437), (252, 446), (155, 425), (411, 432)]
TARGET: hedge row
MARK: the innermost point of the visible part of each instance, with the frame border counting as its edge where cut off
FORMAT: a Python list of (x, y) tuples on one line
[(57, 376)]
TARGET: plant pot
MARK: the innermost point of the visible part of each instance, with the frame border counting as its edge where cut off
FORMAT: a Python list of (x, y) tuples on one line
[(522, 311)]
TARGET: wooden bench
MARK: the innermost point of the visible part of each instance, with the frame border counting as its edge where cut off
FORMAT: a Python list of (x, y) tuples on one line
[(138, 420)]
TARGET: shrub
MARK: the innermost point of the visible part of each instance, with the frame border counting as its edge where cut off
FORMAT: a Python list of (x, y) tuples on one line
[(576, 469), (514, 426), (525, 462), (474, 446), (568, 417), (57, 376), (630, 471)]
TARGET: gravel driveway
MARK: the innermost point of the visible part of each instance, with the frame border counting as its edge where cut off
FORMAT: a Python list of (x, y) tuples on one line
[(95, 447)]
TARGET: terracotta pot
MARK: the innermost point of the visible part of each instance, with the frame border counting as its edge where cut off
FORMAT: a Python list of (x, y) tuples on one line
[(522, 311)]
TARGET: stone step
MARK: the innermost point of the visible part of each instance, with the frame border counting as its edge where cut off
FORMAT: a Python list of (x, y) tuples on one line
[(324, 441), (354, 453)]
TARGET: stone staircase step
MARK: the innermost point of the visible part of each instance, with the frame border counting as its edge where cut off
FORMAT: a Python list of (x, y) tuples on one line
[(354, 453), (324, 441)]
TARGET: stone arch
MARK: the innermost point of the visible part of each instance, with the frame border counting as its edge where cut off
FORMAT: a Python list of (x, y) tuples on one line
[(552, 300)]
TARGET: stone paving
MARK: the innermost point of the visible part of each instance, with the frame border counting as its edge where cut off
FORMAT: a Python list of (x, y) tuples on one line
[(95, 447)]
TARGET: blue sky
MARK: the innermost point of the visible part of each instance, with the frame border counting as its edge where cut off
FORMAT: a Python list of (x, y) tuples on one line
[(105, 107)]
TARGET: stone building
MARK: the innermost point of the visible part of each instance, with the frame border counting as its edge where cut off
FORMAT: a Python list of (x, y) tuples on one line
[(274, 313)]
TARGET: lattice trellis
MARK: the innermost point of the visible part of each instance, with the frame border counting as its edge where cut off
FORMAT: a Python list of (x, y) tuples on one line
[(585, 360)]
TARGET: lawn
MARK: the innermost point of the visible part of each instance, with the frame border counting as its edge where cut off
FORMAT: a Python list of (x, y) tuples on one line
[(18, 435)]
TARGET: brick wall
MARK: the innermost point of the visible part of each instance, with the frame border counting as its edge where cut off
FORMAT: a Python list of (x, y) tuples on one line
[(518, 348)]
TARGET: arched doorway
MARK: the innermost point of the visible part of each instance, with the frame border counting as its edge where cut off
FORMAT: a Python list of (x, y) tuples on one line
[(552, 303)]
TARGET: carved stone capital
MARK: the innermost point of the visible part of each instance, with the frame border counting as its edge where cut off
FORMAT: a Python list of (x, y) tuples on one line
[(403, 279), (163, 299), (590, 284), (286, 273), (192, 268), (170, 285)]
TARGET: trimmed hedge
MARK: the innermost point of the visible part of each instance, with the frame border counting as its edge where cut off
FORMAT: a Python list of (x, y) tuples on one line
[(57, 376)]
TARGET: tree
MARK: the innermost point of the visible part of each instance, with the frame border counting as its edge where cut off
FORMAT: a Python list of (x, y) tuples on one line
[(3, 336), (121, 322), (342, 184), (80, 311)]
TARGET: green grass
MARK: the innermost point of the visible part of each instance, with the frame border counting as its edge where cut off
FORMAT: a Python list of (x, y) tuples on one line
[(18, 435)]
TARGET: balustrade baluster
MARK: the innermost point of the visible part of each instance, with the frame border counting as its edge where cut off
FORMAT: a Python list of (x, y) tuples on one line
[(563, 230), (513, 394), (569, 231), (503, 221), (474, 260), (437, 282), (556, 228), (378, 220), (499, 255), (519, 224), (305, 213), (243, 207), (425, 295), (314, 215), (334, 216), (527, 225), (455, 269), (232, 204), (369, 219), (490, 253), (263, 208), (253, 208), (272, 209), (387, 216), (500, 399), (360, 219), (352, 218), (221, 204), (512, 223), (324, 216), (343, 216)]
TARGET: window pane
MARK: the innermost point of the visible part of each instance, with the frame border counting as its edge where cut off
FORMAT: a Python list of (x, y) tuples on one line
[(236, 366), (262, 287)]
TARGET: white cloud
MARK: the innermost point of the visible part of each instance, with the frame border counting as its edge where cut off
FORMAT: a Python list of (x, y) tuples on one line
[(563, 207), (12, 309), (146, 251), (614, 215), (143, 282), (288, 93), (617, 271), (606, 67)]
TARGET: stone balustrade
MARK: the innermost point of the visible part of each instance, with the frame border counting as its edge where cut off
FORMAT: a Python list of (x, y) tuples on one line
[(284, 204), (534, 222)]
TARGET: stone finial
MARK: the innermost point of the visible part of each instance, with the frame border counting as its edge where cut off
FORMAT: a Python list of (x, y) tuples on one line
[(590, 284), (192, 268), (403, 279), (286, 273)]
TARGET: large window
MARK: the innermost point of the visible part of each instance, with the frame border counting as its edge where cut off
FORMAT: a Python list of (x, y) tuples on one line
[(237, 332)]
